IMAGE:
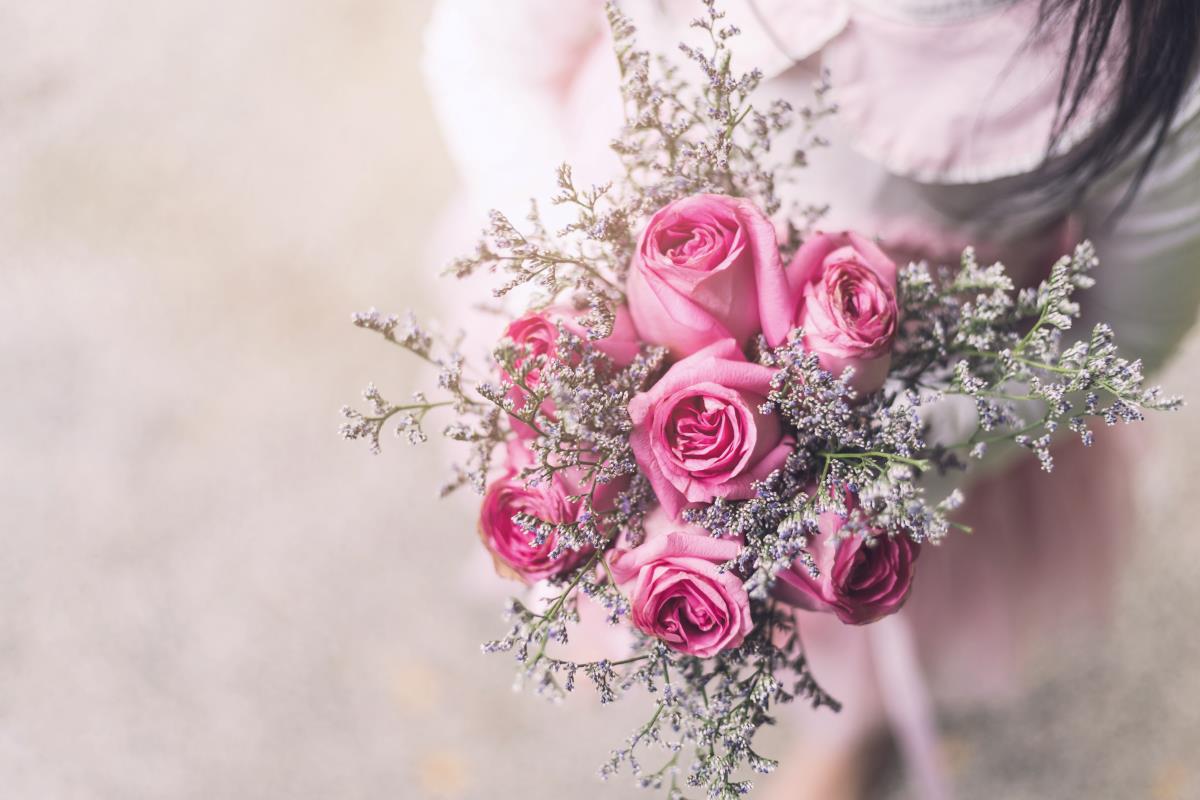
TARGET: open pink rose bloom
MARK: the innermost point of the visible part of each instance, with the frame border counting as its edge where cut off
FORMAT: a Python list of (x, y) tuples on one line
[(699, 433), (677, 591), (693, 279), (842, 293), (860, 578)]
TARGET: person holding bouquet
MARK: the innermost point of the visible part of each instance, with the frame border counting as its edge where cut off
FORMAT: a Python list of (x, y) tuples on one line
[(1018, 126)]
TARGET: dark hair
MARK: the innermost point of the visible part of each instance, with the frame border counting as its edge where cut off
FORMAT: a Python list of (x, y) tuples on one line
[(1156, 58)]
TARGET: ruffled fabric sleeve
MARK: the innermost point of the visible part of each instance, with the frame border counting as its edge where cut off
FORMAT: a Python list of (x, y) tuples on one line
[(519, 86), (499, 75)]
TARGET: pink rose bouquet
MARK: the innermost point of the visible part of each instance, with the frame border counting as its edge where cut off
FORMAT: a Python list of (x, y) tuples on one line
[(682, 433)]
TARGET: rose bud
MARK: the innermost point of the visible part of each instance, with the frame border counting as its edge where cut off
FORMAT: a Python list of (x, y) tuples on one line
[(693, 278), (698, 433), (861, 579), (842, 292), (678, 593), (538, 331), (511, 546)]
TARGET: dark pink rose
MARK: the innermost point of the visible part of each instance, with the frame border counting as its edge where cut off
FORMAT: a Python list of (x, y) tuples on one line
[(693, 278), (698, 432), (538, 331), (678, 593), (842, 292), (511, 546), (860, 579)]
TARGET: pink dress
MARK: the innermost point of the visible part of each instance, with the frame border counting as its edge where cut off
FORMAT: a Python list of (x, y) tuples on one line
[(943, 104)]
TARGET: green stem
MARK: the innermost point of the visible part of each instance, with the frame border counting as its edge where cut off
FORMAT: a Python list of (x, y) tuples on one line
[(1032, 364), (553, 610), (918, 463), (422, 407), (1000, 437)]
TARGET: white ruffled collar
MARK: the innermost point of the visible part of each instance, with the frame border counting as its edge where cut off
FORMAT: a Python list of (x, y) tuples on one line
[(940, 91), (796, 29)]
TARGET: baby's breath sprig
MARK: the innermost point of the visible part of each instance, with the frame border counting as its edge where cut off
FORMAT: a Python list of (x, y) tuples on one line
[(678, 140), (550, 264), (587, 433), (714, 708), (1007, 351), (408, 417), (404, 332), (474, 423), (873, 449), (369, 426)]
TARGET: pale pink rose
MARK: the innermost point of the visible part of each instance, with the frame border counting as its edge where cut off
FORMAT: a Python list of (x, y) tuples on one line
[(842, 292), (698, 433), (677, 592), (859, 580), (694, 277), (512, 548), (538, 330)]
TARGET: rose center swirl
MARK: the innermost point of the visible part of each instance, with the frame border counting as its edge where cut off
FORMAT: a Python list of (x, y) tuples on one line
[(705, 433)]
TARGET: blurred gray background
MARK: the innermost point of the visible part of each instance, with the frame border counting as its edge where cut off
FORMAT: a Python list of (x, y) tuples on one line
[(204, 593)]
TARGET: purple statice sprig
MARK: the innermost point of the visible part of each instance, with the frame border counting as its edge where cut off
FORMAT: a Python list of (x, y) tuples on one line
[(707, 711), (713, 134), (1013, 354)]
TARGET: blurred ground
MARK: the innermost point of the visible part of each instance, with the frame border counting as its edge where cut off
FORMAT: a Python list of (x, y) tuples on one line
[(204, 593)]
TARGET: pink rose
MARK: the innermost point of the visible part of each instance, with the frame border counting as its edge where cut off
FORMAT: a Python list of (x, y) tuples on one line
[(842, 292), (538, 331), (698, 432), (693, 279), (511, 546), (860, 581), (678, 593)]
